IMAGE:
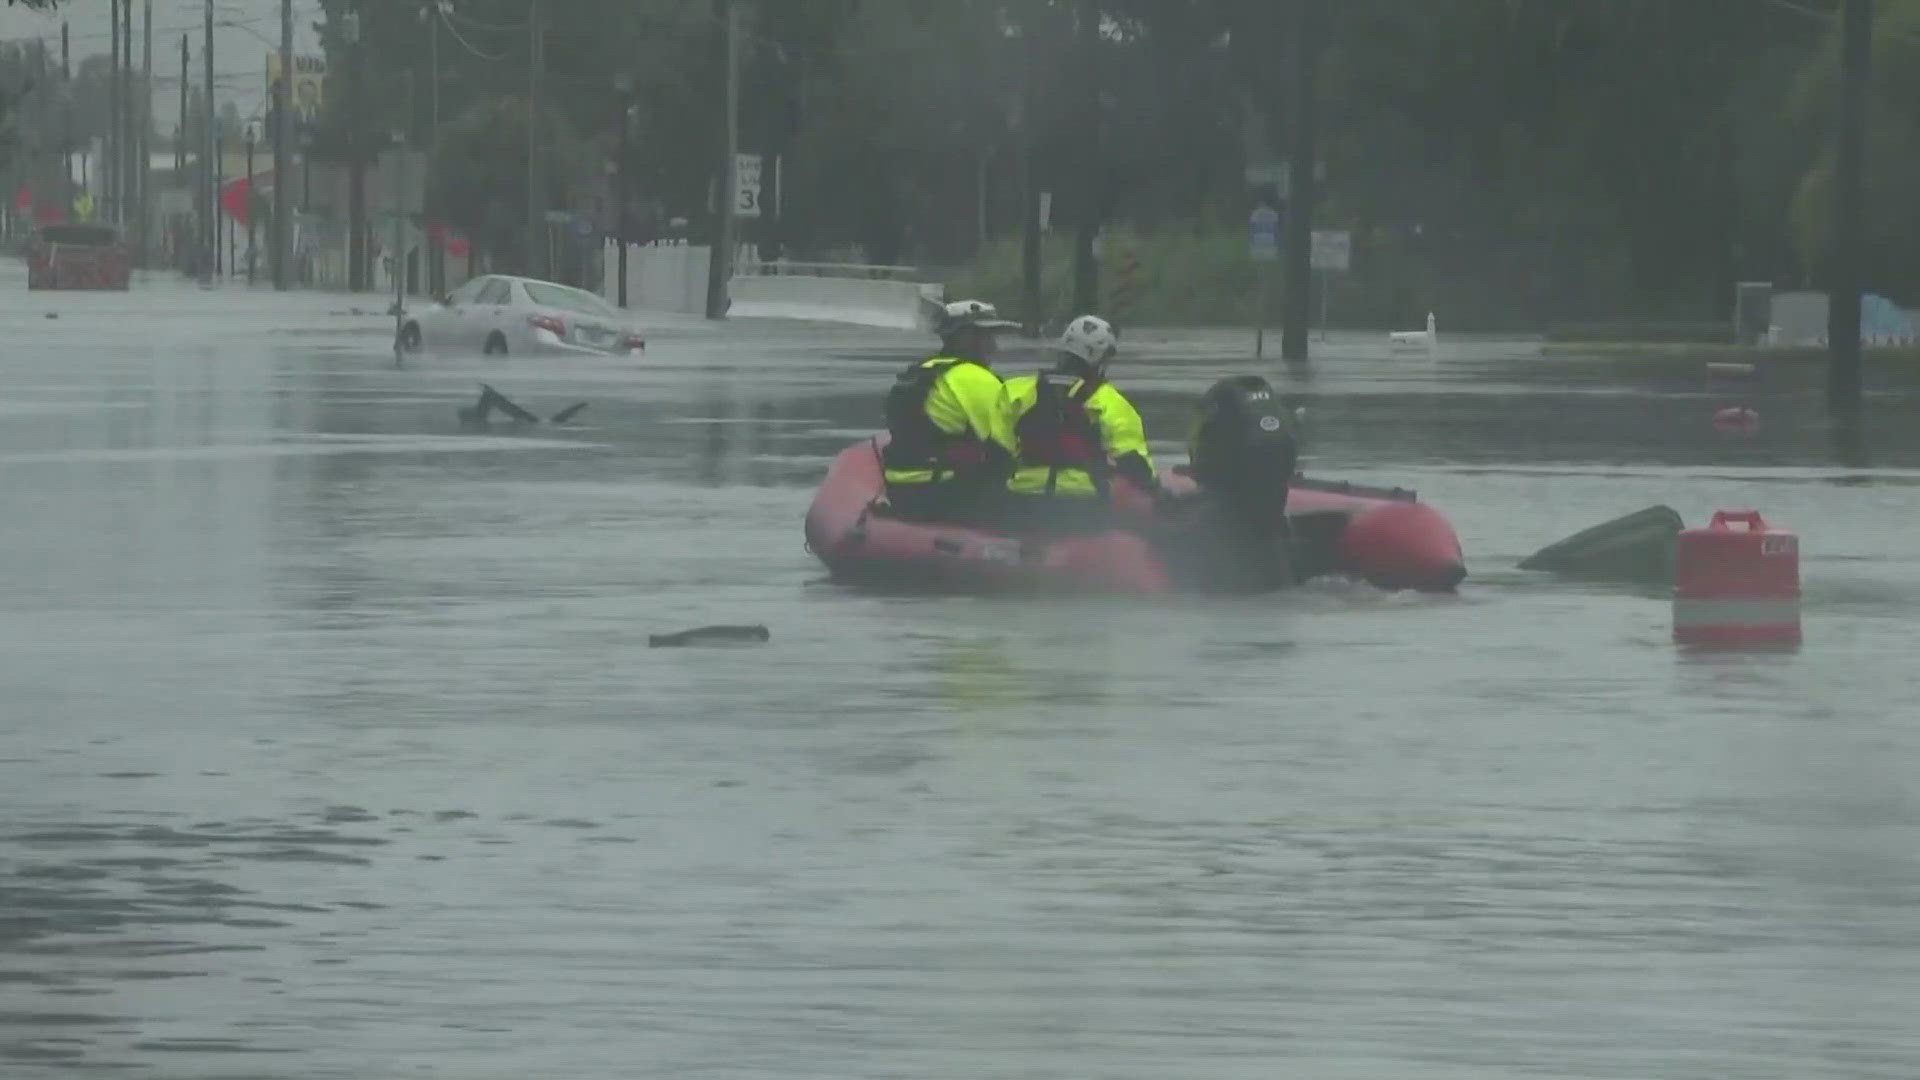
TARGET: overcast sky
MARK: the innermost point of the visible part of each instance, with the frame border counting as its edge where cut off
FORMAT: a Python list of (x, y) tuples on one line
[(239, 56)]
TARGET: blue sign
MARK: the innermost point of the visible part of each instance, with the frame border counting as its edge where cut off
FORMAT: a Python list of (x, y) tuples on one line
[(1263, 233)]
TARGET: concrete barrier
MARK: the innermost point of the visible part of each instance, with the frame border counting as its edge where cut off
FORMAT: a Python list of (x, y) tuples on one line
[(660, 277), (673, 277), (892, 304)]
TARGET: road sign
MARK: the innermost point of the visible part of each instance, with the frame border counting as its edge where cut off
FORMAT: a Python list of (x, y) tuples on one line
[(309, 84), (1274, 173), (1280, 175), (1263, 233), (1332, 249), (746, 189)]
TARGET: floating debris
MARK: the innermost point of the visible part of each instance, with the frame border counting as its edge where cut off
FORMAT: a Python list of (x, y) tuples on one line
[(710, 635), (1637, 547), (491, 400)]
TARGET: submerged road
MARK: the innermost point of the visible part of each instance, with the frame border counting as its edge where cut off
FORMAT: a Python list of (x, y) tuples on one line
[(332, 746)]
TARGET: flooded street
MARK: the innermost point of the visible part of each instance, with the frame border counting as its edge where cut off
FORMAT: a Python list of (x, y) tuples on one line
[(333, 747)]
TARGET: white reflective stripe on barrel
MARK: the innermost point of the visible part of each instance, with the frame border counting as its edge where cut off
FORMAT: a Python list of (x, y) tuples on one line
[(1767, 612)]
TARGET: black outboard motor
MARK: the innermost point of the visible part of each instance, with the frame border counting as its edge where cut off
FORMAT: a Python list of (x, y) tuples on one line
[(1242, 447), (1232, 535)]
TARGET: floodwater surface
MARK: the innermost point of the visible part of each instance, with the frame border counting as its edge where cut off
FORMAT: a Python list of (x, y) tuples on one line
[(332, 746)]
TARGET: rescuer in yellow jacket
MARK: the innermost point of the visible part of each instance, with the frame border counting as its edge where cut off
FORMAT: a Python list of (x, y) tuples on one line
[(949, 448), (1073, 432)]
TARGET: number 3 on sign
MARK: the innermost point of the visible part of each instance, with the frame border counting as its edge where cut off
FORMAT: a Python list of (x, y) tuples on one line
[(746, 187)]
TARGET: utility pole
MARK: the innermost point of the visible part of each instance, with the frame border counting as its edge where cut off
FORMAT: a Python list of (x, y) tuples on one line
[(536, 196), (1091, 174), (356, 163), (44, 136), (110, 158), (720, 259), (399, 188), (180, 139), (1843, 305), (1297, 308), (144, 141), (222, 229), (128, 181), (1030, 238), (436, 249), (66, 120), (282, 150), (251, 232), (209, 191), (623, 83)]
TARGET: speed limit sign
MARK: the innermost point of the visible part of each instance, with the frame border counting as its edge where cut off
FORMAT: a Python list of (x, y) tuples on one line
[(746, 188)]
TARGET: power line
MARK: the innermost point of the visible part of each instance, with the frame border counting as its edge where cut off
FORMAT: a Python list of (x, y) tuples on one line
[(467, 45)]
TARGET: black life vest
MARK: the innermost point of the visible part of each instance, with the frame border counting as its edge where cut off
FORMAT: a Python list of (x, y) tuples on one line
[(914, 440), (1058, 432)]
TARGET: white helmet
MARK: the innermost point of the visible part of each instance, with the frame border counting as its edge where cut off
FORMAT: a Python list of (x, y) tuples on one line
[(969, 315), (1091, 338)]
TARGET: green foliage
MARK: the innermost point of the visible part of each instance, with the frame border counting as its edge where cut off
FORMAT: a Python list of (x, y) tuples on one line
[(480, 173), (1176, 281), (1680, 144)]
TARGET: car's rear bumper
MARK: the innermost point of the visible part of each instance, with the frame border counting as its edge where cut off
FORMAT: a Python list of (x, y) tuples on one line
[(545, 341)]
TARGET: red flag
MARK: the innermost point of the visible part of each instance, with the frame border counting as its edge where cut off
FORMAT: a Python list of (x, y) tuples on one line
[(235, 199)]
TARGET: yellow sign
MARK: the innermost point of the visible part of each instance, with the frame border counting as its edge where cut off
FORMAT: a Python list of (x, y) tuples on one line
[(83, 206), (309, 84)]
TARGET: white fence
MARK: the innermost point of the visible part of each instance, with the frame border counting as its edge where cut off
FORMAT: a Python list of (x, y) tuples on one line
[(1799, 318), (673, 277)]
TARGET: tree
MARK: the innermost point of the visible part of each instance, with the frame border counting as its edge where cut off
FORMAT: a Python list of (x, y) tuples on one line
[(480, 174)]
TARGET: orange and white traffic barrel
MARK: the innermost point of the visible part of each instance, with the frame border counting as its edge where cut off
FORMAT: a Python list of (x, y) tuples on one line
[(1736, 588)]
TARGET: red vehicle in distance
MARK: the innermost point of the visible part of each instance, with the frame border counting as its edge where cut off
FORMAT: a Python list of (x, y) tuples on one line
[(76, 255)]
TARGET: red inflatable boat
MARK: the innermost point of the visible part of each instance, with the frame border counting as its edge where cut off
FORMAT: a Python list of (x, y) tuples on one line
[(1388, 539)]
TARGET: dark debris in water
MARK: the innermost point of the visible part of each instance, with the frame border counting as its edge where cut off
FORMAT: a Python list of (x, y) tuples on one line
[(206, 1046), (294, 854), (711, 635)]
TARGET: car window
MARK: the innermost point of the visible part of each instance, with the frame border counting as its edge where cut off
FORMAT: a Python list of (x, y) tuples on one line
[(466, 293), (560, 296), (495, 293)]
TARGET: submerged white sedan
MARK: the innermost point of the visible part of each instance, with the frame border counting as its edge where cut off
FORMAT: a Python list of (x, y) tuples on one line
[(512, 316)]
